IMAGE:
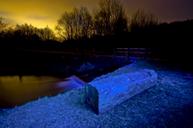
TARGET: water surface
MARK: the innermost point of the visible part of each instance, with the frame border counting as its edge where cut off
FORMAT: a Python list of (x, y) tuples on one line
[(17, 90)]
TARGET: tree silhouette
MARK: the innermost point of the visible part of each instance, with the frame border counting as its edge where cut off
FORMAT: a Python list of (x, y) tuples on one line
[(75, 25), (142, 20), (29, 32), (110, 18), (46, 34), (3, 24), (26, 32)]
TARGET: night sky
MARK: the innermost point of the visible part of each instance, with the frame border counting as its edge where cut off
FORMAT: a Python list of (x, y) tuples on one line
[(41, 13)]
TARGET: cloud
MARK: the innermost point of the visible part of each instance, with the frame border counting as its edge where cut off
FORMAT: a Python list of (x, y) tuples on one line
[(4, 13), (8, 17), (36, 17)]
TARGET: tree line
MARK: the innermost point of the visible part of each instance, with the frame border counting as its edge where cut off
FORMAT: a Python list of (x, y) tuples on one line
[(25, 32), (109, 19)]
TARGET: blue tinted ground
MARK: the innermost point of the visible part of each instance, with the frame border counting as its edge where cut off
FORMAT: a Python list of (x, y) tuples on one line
[(169, 104)]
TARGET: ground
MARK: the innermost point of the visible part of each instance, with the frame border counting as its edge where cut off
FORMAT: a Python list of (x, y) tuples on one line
[(168, 104)]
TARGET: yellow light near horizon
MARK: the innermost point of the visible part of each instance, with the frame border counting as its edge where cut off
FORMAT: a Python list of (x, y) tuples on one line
[(38, 23), (20, 10), (48, 11), (39, 13)]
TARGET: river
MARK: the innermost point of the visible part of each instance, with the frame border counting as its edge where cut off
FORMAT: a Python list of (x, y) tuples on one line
[(18, 90)]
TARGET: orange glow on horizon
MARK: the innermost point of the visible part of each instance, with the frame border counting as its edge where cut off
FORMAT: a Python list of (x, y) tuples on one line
[(39, 13), (42, 13)]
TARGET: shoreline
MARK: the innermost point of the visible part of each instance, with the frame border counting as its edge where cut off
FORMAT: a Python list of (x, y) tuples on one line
[(168, 104)]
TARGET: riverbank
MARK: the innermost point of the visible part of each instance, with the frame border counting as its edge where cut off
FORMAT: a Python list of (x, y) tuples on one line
[(168, 104)]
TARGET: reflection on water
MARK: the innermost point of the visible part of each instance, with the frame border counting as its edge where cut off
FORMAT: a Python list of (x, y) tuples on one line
[(17, 90)]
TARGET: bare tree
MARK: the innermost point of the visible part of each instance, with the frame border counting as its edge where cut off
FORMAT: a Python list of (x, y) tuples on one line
[(85, 23), (64, 27), (75, 25), (30, 32), (26, 31), (46, 34), (110, 18), (141, 20)]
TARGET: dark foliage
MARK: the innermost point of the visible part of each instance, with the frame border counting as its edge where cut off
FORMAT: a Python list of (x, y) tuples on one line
[(27, 47)]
